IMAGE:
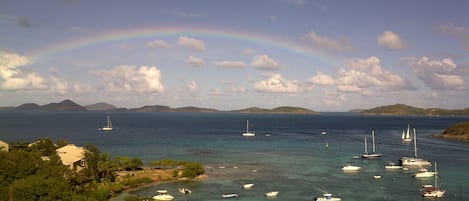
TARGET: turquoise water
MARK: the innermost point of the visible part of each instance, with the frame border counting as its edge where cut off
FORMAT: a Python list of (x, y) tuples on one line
[(293, 160)]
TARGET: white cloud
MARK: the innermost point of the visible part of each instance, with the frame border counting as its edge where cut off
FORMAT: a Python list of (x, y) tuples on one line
[(57, 85), (158, 44), (195, 61), (14, 78), (362, 77), (230, 64), (248, 52), (275, 83), (239, 89), (131, 79), (191, 43), (264, 62), (192, 86), (458, 32), (321, 79), (391, 41), (438, 75), (328, 43)]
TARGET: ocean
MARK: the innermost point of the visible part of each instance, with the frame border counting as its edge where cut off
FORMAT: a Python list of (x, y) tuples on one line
[(288, 153)]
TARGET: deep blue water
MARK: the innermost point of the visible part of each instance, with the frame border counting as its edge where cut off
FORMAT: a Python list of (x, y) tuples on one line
[(293, 160)]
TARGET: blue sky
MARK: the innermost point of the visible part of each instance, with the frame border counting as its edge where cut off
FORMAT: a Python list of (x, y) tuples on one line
[(322, 55)]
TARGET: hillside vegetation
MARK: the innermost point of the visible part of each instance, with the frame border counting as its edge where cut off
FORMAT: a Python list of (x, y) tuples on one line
[(459, 131), (401, 109), (278, 110)]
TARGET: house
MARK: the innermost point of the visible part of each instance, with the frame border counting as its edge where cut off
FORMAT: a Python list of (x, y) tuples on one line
[(72, 156), (4, 146)]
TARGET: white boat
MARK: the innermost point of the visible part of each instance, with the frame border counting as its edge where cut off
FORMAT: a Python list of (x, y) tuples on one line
[(108, 126), (324, 133), (373, 154), (248, 133), (327, 197), (432, 190), (248, 186), (349, 167), (406, 135), (271, 193), (392, 166), (229, 195), (424, 173), (184, 190), (163, 195), (377, 176), (414, 161)]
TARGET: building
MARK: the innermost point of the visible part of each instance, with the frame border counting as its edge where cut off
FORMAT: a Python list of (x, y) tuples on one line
[(4, 146), (72, 156)]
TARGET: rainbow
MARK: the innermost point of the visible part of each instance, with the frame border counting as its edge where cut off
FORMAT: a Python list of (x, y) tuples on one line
[(152, 32)]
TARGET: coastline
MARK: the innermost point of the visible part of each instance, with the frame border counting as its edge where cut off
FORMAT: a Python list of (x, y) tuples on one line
[(157, 176)]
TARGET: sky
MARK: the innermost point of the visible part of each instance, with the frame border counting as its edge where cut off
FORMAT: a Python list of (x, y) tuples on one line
[(323, 55)]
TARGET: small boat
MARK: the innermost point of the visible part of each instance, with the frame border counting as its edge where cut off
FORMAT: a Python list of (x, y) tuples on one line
[(414, 161), (327, 197), (392, 166), (377, 176), (323, 133), (248, 133), (432, 190), (163, 195), (349, 167), (405, 137), (271, 193), (108, 126), (248, 186), (229, 195), (372, 155), (184, 190), (424, 173)]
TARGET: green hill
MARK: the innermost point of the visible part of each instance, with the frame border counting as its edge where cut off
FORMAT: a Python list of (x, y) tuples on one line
[(401, 109), (278, 110), (459, 131)]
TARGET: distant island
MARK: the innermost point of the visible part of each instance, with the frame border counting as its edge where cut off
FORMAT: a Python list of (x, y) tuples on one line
[(459, 131), (69, 105), (401, 109)]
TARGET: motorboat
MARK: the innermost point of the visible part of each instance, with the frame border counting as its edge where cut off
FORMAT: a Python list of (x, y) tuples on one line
[(372, 155), (248, 133), (163, 195), (184, 190), (271, 193), (415, 160), (392, 166), (424, 173), (377, 176), (327, 197), (432, 190), (229, 195), (248, 186), (349, 167), (323, 133)]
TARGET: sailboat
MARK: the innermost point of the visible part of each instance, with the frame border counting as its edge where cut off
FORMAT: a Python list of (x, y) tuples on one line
[(406, 135), (107, 127), (373, 154), (432, 190), (248, 133), (414, 161)]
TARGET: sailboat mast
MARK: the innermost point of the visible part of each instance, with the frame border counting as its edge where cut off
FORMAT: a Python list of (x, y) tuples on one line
[(436, 177), (415, 144), (247, 126), (366, 148), (408, 132), (373, 138)]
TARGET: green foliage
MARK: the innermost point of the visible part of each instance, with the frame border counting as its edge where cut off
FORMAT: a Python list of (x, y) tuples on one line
[(44, 147), (41, 187), (189, 169), (126, 163), (132, 182), (461, 128)]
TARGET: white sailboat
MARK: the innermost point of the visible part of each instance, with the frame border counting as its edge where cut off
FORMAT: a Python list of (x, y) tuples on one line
[(373, 154), (432, 190), (327, 197), (414, 161), (248, 133), (406, 135), (163, 195), (108, 126)]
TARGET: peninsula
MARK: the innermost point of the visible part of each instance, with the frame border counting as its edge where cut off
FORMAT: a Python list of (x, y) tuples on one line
[(459, 131), (401, 109)]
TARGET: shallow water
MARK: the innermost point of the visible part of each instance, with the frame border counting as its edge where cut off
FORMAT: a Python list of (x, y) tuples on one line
[(293, 160)]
